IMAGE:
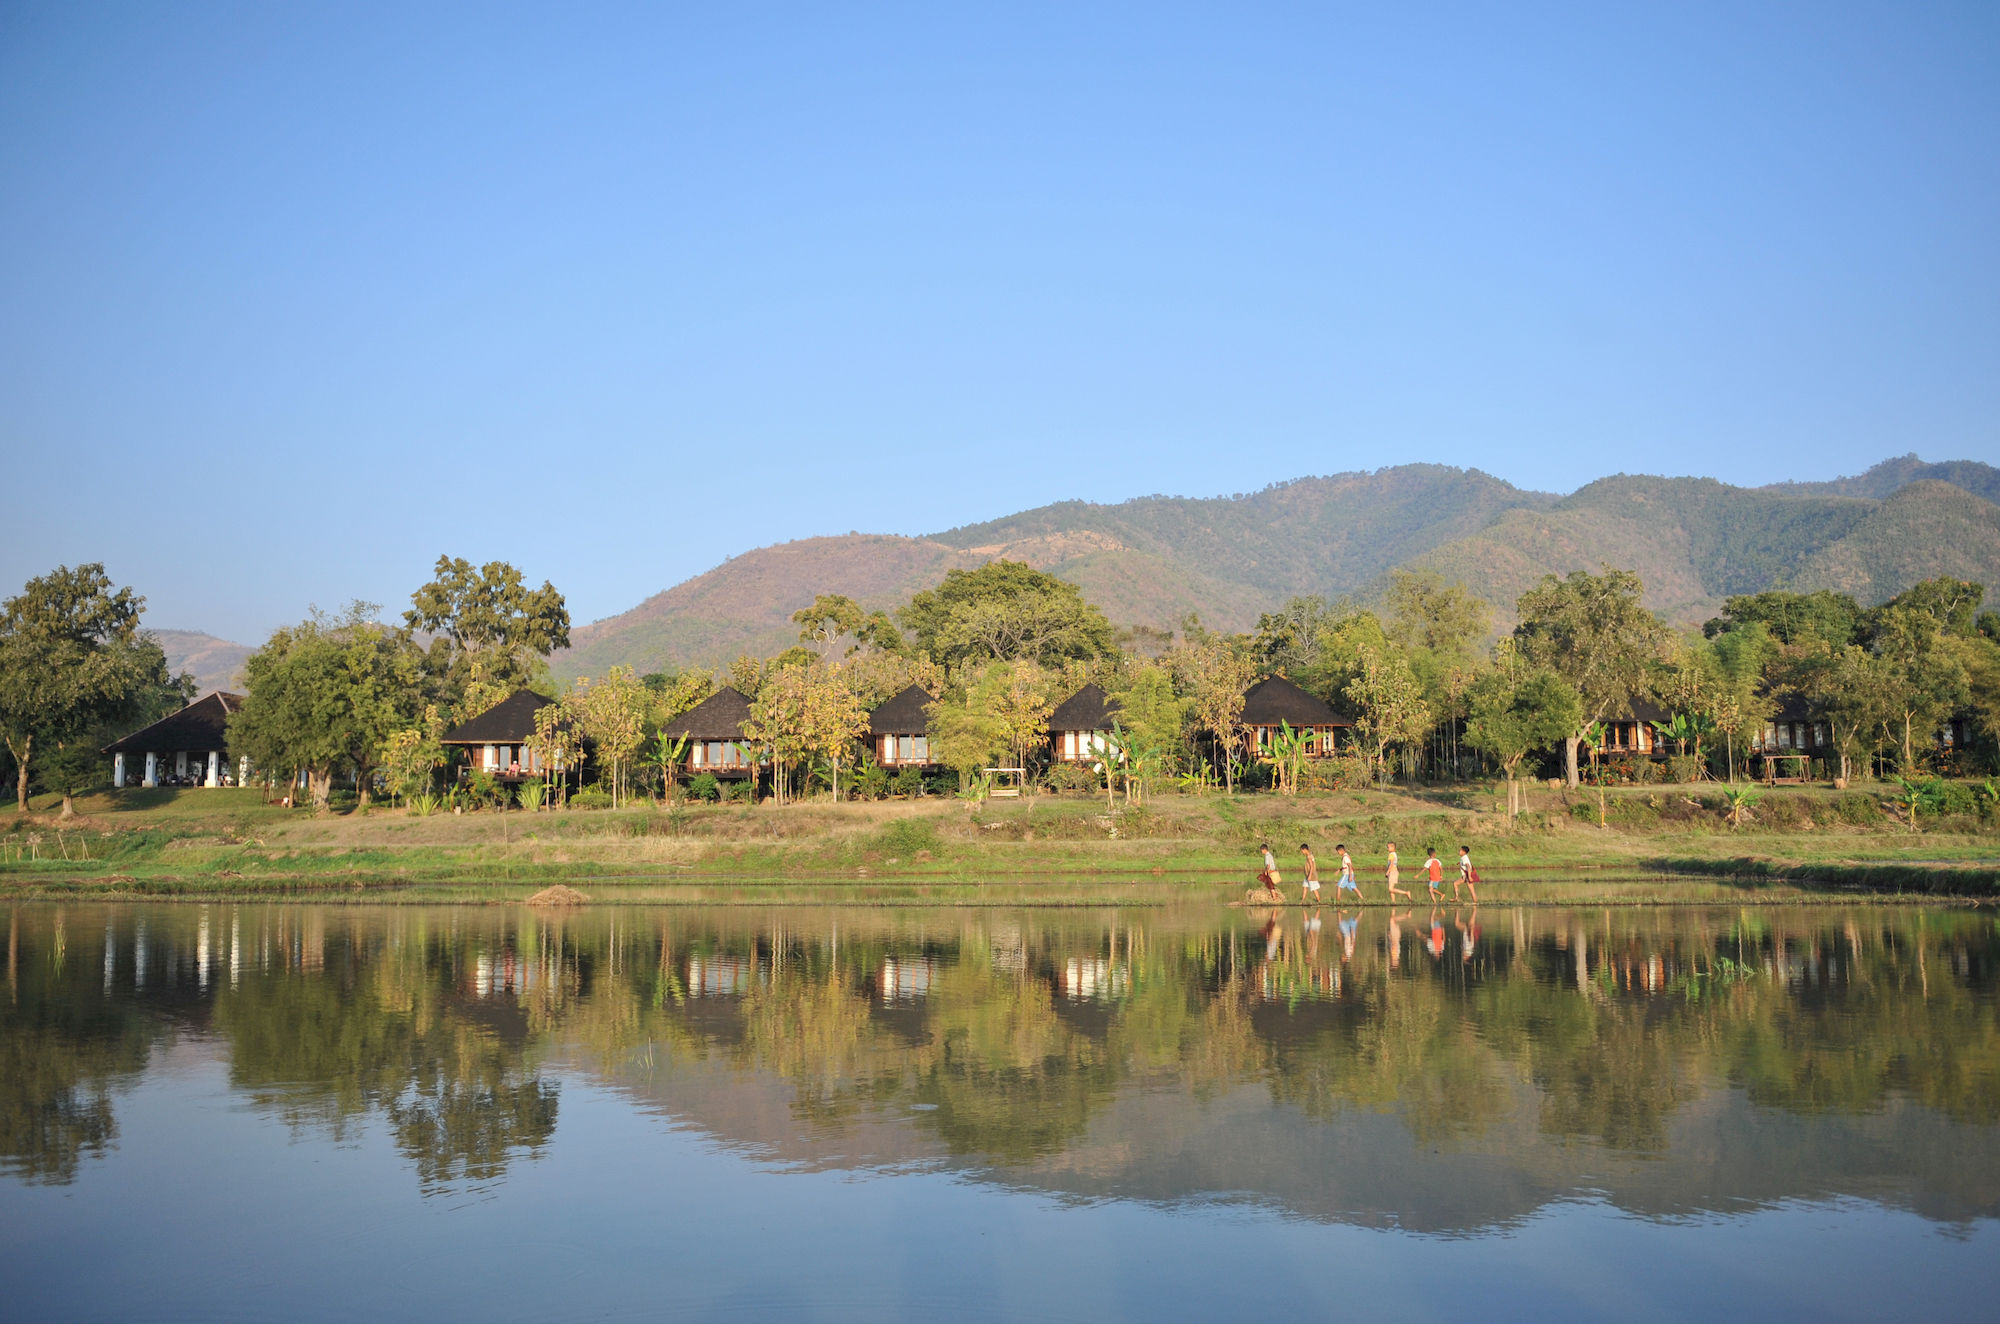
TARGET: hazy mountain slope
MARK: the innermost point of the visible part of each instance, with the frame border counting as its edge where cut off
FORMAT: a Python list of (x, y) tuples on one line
[(1922, 531), (217, 664), (1982, 480), (1327, 535), (1150, 561), (746, 603)]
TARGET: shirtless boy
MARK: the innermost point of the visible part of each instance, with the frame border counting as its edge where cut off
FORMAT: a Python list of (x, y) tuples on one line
[(1310, 891), (1394, 874)]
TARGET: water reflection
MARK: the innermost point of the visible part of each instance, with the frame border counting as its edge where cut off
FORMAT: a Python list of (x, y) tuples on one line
[(1448, 1069)]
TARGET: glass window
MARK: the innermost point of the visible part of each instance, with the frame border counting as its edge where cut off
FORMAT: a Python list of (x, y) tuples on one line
[(922, 748)]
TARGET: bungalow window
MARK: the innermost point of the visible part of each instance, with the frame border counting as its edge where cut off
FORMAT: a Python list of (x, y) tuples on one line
[(1819, 734), (913, 749), (1785, 736)]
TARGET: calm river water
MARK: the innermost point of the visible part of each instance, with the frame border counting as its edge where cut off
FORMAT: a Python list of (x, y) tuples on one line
[(298, 1111)]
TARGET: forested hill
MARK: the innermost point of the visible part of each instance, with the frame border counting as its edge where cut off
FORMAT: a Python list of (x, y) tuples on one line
[(1151, 560)]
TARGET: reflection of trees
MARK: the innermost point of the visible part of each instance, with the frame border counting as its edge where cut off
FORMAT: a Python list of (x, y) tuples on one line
[(1018, 1032), (381, 1027), (62, 1048)]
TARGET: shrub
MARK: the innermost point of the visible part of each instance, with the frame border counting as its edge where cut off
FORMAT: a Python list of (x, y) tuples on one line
[(1943, 797), (743, 791), (1072, 777), (909, 783), (871, 782), (941, 783), (906, 836), (591, 797), (1856, 809), (704, 786)]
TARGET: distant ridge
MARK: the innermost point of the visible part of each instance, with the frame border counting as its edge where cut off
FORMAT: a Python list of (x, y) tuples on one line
[(1151, 560), (216, 663)]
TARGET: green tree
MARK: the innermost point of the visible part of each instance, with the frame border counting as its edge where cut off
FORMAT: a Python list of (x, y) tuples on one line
[(72, 664), (1795, 620), (1923, 672), (1215, 673), (326, 694), (831, 616), (1006, 611), (490, 616), (611, 714), (1593, 632), (1517, 709), (964, 735), (1389, 703)]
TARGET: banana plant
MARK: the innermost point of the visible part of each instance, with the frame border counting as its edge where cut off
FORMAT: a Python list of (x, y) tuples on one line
[(667, 755), (1739, 799)]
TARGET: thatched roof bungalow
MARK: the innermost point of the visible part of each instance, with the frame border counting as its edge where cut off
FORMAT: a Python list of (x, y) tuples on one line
[(1080, 726), (184, 748), (496, 741), (898, 729), (1274, 703), (713, 729)]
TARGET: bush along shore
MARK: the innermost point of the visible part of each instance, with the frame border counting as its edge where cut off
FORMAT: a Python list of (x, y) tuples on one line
[(1657, 844)]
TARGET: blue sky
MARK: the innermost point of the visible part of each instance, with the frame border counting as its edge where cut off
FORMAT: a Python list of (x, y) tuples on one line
[(294, 298)]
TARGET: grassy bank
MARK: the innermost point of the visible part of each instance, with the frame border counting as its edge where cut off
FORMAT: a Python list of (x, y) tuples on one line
[(1658, 843)]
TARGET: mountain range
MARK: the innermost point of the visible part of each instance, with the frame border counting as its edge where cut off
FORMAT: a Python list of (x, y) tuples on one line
[(1152, 560)]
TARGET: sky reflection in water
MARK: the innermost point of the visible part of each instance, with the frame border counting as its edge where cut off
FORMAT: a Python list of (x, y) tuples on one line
[(849, 1111)]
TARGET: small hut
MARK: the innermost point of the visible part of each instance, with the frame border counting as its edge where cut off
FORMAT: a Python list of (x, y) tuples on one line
[(496, 741), (898, 730), (1274, 703), (1080, 727), (713, 729), (184, 749), (1631, 732)]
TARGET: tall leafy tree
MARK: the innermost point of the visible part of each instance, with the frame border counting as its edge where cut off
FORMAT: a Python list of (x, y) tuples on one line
[(1795, 620), (1516, 709), (326, 695), (1389, 704), (1006, 611), (1922, 673), (1215, 674), (1593, 631), (489, 616), (72, 663)]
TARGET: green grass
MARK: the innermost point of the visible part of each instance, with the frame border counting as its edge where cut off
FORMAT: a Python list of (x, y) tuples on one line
[(1662, 844)]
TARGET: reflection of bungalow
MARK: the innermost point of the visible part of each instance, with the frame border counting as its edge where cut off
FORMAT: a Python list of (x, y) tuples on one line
[(185, 749), (496, 741), (1274, 703), (897, 730), (713, 729), (1080, 727), (1632, 733)]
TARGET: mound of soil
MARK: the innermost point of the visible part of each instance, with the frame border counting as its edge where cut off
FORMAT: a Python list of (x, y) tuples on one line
[(558, 895)]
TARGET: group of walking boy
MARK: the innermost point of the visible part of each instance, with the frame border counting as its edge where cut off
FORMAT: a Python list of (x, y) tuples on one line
[(1468, 877)]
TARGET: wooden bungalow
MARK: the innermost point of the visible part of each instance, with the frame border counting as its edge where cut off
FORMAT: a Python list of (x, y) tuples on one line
[(1633, 732), (184, 749), (898, 730), (1274, 703), (713, 729), (1080, 727), (496, 741)]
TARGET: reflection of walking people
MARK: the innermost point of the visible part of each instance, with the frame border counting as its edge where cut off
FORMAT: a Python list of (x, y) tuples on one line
[(1396, 938), (1346, 883), (1466, 875), (1436, 943), (1468, 935), (1394, 874), (1348, 924), (1310, 890), (1434, 874)]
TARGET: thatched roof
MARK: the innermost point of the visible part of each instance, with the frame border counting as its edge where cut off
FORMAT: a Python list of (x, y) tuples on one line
[(1086, 710), (202, 725), (718, 717), (1638, 710), (903, 715), (1274, 699), (508, 722)]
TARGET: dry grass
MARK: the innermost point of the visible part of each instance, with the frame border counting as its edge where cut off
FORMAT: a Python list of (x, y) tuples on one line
[(558, 895)]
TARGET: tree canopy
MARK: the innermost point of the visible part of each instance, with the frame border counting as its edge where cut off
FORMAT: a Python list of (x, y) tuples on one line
[(1006, 611)]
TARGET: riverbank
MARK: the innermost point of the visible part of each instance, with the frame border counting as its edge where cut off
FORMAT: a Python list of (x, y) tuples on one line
[(1658, 845)]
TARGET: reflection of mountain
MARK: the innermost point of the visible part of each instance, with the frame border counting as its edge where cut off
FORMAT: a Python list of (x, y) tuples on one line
[(1452, 1079)]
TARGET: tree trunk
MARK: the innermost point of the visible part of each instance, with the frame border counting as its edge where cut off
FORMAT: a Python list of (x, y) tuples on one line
[(69, 805), (1569, 760), (21, 766)]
